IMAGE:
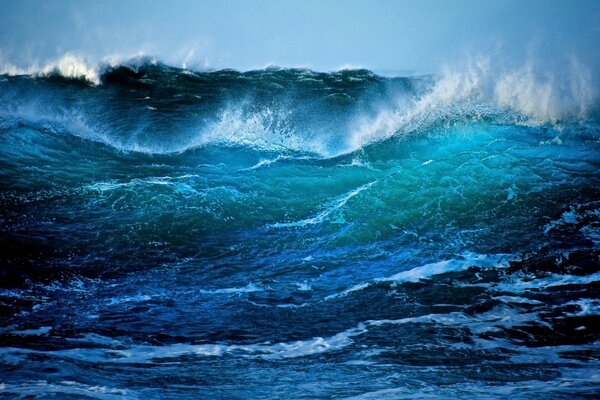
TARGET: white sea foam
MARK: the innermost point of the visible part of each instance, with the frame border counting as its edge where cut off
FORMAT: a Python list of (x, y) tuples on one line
[(323, 215), (586, 307), (44, 330), (75, 66), (453, 265), (588, 214), (265, 129), (64, 388), (249, 288), (171, 181), (528, 93), (268, 162), (139, 298), (561, 387), (552, 280), (149, 354), (517, 300), (499, 318), (69, 66), (427, 271)]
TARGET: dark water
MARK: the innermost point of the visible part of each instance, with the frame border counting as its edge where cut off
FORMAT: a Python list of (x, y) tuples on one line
[(293, 234)]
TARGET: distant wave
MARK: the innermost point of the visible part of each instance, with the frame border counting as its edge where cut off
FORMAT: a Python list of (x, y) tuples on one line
[(143, 105), (69, 66)]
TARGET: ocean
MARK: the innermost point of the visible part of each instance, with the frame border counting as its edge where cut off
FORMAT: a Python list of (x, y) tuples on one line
[(286, 233)]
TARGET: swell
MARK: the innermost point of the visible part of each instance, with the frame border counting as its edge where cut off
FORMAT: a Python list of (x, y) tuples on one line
[(148, 107)]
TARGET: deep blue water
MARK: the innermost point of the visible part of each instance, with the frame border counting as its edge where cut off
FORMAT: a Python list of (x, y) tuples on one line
[(292, 234)]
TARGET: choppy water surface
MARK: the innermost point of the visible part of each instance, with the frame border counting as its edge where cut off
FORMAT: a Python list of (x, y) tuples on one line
[(287, 233)]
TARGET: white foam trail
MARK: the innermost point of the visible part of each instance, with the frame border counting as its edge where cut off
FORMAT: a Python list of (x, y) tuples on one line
[(250, 288), (517, 300), (149, 354), (172, 181), (323, 215), (263, 163), (44, 330), (34, 389), (497, 319), (139, 298), (268, 162), (427, 271), (453, 265), (553, 280), (491, 321)]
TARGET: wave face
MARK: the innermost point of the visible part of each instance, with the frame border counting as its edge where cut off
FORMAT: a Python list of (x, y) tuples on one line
[(288, 233)]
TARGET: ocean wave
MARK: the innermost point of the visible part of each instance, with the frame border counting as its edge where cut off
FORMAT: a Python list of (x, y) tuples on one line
[(69, 66), (522, 95), (138, 103), (439, 229)]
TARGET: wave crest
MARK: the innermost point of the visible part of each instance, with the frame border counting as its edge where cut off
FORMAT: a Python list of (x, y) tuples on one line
[(528, 94), (142, 105), (69, 66)]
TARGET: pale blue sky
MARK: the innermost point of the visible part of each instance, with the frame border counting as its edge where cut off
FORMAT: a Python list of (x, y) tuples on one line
[(323, 35)]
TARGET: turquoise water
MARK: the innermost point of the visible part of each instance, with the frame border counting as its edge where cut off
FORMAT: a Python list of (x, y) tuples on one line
[(174, 234)]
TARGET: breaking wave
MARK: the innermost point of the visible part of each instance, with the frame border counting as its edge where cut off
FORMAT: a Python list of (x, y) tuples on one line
[(145, 106)]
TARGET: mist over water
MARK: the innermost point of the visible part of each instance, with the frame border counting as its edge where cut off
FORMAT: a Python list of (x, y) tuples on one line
[(171, 228)]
